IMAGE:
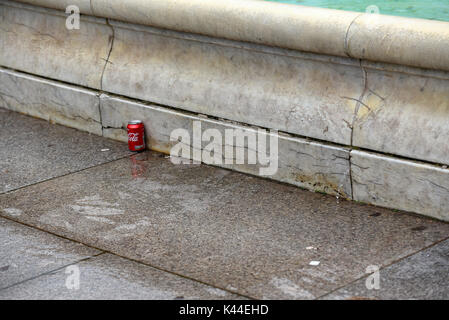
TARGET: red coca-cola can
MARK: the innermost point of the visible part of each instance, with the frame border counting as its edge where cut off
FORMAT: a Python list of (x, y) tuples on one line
[(136, 135)]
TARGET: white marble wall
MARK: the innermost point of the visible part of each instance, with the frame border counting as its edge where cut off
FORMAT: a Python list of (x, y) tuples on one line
[(301, 94), (405, 113), (50, 100), (400, 184), (36, 41)]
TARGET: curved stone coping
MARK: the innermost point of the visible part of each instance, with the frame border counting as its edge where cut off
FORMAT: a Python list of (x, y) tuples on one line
[(414, 42)]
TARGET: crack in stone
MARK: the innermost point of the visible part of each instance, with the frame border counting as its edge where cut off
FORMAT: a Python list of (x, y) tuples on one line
[(73, 116), (91, 7), (434, 184), (358, 182), (3, 95), (359, 101), (111, 39), (8, 31), (358, 166), (100, 95), (37, 31), (111, 127), (354, 118), (332, 173), (346, 44), (290, 114), (5, 103), (376, 94), (302, 153), (335, 157)]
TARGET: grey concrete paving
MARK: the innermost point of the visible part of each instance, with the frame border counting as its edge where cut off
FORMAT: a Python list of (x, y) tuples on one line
[(36, 265), (227, 229), (110, 277), (26, 252), (34, 150), (424, 275)]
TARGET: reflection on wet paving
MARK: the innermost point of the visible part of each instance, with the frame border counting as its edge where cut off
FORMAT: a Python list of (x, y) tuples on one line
[(138, 164)]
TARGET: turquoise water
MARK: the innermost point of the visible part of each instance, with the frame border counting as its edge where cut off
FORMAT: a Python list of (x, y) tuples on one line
[(425, 9)]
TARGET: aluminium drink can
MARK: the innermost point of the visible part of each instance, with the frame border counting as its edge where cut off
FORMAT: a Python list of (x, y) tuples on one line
[(136, 135)]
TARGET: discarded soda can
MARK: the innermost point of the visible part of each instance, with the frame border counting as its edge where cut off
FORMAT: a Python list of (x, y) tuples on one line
[(136, 136)]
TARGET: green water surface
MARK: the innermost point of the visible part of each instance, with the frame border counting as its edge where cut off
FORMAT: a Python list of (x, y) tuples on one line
[(425, 9)]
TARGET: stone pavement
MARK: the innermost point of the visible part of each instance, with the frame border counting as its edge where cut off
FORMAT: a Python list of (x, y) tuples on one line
[(136, 226)]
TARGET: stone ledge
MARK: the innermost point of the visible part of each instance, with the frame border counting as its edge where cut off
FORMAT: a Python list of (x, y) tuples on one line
[(400, 184), (415, 42), (68, 105)]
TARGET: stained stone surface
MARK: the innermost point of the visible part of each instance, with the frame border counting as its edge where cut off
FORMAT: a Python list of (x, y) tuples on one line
[(34, 150), (36, 40), (227, 229), (405, 114), (401, 184), (110, 277), (26, 252)]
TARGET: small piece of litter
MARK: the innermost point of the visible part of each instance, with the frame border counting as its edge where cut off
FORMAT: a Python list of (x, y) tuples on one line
[(103, 150), (310, 248), (314, 263)]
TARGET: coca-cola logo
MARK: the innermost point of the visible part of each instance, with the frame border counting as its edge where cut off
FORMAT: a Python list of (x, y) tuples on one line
[(133, 136)]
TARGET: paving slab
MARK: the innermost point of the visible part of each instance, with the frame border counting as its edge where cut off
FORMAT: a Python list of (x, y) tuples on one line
[(113, 278), (233, 231), (35, 150), (424, 275), (26, 252)]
